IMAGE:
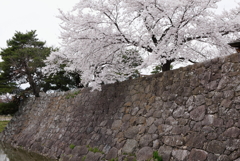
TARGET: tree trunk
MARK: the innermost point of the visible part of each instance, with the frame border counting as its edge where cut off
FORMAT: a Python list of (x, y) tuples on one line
[(33, 86), (167, 65)]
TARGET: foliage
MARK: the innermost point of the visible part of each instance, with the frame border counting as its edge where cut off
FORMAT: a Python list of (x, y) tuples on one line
[(61, 81), (84, 158), (94, 150), (72, 95), (3, 124), (71, 146), (6, 86), (162, 32), (158, 69), (23, 60), (8, 108), (156, 157)]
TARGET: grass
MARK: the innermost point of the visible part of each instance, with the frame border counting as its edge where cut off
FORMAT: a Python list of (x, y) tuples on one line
[(3, 124), (72, 95), (72, 146), (94, 150)]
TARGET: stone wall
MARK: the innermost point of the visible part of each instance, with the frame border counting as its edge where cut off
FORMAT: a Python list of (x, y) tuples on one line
[(191, 113)]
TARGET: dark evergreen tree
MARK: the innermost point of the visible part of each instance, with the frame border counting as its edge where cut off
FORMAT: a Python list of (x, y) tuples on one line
[(23, 60)]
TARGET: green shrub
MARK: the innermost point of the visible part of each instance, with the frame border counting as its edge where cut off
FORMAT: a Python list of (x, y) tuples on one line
[(113, 159), (72, 146), (84, 158), (156, 156), (94, 150), (72, 95), (8, 108), (3, 124)]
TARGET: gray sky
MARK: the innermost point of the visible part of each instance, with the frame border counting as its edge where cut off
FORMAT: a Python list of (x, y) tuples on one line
[(40, 15), (26, 15)]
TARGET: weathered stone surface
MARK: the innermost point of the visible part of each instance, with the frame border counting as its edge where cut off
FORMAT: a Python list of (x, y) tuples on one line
[(171, 121), (180, 154), (116, 124), (150, 121), (235, 155), (156, 144), (145, 140), (179, 112), (223, 83), (141, 120), (152, 129), (223, 158), (163, 129), (198, 155), (233, 132), (113, 153), (184, 113), (212, 157), (232, 144), (198, 113), (93, 156), (215, 147), (178, 130), (226, 103), (131, 132), (129, 146), (80, 150), (126, 118), (165, 152), (134, 111), (195, 140), (144, 153), (173, 140)]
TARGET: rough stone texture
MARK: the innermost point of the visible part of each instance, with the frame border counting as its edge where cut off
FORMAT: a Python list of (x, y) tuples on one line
[(198, 155), (215, 147), (113, 153), (131, 132), (129, 146), (191, 113), (180, 154), (144, 154)]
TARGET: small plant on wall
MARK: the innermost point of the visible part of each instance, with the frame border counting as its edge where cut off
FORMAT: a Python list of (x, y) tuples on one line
[(156, 157), (71, 146)]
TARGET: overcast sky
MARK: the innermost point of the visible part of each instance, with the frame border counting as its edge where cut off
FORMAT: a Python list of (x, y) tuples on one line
[(40, 15)]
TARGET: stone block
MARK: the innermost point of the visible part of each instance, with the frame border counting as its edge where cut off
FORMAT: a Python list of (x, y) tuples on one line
[(113, 153), (173, 140), (144, 153), (215, 147), (93, 156), (152, 129), (129, 146), (180, 155), (198, 113), (145, 140), (131, 132), (116, 124), (232, 132), (195, 140), (165, 152), (198, 155)]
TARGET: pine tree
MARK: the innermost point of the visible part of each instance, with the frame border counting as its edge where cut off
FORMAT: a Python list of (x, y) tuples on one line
[(23, 60)]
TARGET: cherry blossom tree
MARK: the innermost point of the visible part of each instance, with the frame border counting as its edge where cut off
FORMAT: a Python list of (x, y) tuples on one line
[(97, 33)]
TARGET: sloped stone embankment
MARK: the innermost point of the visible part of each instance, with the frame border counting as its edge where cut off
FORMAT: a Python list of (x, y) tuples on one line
[(188, 114)]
